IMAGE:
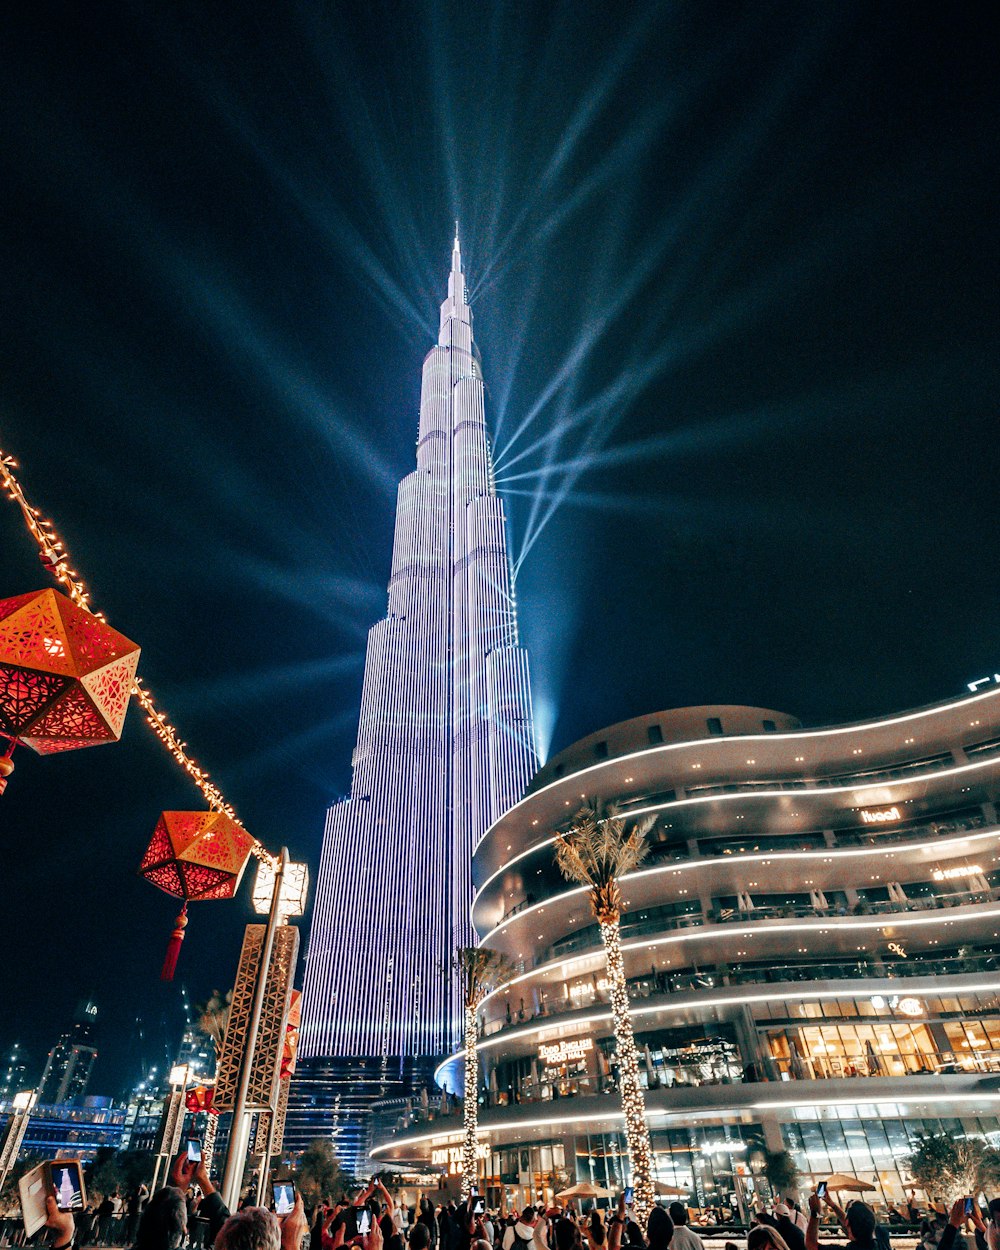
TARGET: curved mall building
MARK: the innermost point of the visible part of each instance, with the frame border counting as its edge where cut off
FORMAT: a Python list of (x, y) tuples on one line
[(810, 947)]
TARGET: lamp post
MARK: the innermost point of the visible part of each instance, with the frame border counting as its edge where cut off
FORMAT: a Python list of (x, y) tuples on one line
[(21, 1107), (239, 1132), (168, 1136)]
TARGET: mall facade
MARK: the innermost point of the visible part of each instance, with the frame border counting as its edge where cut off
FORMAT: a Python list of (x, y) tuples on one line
[(812, 947)]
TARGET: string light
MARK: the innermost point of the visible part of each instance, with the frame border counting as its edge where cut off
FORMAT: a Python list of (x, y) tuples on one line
[(640, 1148), (54, 556), (597, 850), (481, 971)]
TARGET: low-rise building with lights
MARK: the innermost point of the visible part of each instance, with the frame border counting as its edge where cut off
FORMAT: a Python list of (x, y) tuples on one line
[(811, 949)]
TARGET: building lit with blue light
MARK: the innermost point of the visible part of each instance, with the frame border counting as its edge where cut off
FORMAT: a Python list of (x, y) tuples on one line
[(812, 950), (445, 746)]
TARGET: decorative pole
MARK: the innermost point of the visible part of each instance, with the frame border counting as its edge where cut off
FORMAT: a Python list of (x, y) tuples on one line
[(168, 1135), (239, 1132), (20, 1115)]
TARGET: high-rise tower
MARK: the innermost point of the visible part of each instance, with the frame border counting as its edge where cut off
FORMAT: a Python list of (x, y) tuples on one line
[(445, 746)]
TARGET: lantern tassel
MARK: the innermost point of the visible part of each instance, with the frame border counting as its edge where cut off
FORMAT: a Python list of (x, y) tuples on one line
[(6, 764), (174, 945)]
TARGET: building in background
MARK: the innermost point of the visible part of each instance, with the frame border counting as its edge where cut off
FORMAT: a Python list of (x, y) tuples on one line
[(15, 1072), (445, 746), (812, 950), (70, 1062), (77, 1129), (197, 1054)]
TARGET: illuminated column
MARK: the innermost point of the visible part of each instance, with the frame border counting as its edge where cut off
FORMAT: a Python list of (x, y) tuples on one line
[(21, 1106), (445, 739), (168, 1135)]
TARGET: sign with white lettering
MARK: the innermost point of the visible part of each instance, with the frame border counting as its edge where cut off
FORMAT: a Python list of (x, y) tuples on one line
[(879, 815), (450, 1157), (949, 874), (569, 1050)]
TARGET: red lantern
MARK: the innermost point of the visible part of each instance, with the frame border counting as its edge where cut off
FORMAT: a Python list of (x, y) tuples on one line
[(199, 1098), (65, 676), (195, 855)]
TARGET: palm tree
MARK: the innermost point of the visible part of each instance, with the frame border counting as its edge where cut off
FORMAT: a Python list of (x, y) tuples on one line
[(481, 972), (597, 849), (213, 1020)]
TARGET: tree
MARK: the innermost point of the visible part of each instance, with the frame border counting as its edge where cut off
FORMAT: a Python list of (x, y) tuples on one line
[(10, 1195), (778, 1166), (318, 1173), (597, 849), (213, 1018), (946, 1167), (481, 971), (124, 1170)]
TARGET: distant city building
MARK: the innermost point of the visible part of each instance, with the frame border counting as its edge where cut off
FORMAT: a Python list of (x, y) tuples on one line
[(76, 1130), (196, 1053), (70, 1062), (810, 948), (15, 1072), (445, 746)]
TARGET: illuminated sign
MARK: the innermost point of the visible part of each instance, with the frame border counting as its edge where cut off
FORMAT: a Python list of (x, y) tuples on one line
[(450, 1157), (570, 1050), (878, 816), (949, 874), (897, 950), (909, 1006), (584, 987)]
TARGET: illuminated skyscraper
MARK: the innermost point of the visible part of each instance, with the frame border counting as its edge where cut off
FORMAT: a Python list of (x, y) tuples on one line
[(445, 746), (70, 1062)]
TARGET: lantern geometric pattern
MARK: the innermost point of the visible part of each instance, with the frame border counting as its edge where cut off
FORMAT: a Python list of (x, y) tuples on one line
[(197, 855), (65, 676)]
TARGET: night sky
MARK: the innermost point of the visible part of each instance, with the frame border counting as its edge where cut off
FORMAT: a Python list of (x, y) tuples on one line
[(734, 274)]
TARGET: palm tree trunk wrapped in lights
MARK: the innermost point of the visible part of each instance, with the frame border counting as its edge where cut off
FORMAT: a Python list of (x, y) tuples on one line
[(596, 850), (482, 971)]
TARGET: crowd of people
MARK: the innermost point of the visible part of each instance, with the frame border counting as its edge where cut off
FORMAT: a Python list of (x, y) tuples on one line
[(188, 1214), (787, 1226)]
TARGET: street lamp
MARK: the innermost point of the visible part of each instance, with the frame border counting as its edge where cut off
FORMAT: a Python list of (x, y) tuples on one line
[(22, 1104), (168, 1135)]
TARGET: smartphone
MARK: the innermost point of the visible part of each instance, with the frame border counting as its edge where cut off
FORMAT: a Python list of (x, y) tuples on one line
[(821, 1189), (284, 1197), (968, 1206), (67, 1181), (364, 1221), (629, 1195), (478, 1206), (194, 1150)]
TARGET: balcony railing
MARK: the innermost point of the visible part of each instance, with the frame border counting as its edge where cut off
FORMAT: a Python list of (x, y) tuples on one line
[(583, 995), (662, 853)]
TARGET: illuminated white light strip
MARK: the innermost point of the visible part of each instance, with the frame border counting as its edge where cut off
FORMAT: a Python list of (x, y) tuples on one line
[(445, 739), (827, 852), (742, 796), (653, 1113), (715, 743), (873, 985), (820, 924)]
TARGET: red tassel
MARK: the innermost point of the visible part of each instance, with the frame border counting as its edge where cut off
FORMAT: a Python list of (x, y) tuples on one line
[(174, 945)]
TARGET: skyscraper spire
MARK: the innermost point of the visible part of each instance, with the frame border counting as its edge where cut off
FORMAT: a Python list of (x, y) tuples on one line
[(445, 746)]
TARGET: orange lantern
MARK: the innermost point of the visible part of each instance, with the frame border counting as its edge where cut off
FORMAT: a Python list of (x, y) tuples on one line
[(65, 676), (194, 855)]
